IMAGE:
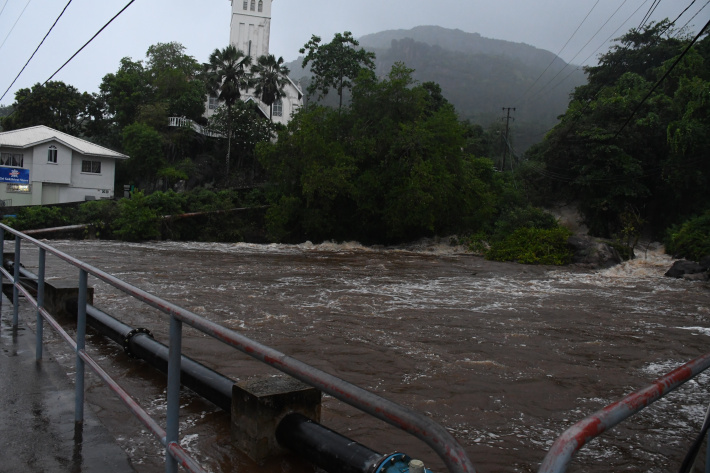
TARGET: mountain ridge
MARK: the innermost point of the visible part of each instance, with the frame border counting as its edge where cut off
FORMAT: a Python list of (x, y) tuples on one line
[(478, 75)]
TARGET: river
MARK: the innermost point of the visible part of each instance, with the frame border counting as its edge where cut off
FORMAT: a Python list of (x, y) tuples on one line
[(505, 356)]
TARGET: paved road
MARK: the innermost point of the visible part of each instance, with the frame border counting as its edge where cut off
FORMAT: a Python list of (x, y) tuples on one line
[(37, 432)]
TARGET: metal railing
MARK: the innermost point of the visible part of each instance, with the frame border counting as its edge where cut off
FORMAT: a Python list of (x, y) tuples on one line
[(433, 434), (560, 454), (183, 122)]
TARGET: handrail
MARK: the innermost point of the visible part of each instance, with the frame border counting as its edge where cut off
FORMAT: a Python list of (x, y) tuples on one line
[(183, 122), (433, 434), (560, 454), (175, 449)]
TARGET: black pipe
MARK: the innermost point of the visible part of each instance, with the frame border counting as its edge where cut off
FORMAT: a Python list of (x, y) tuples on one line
[(139, 343), (321, 446), (325, 448)]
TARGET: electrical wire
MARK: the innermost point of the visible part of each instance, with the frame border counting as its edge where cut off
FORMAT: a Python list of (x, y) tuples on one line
[(662, 78), (13, 26), (37, 49), (678, 17), (688, 22), (3, 7), (585, 45), (90, 40), (80, 49), (559, 52), (542, 89), (650, 11)]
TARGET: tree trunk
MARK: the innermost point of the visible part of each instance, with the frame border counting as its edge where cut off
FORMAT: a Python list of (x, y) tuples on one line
[(229, 139)]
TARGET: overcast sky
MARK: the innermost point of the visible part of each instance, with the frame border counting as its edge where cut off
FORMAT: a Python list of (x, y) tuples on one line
[(203, 25)]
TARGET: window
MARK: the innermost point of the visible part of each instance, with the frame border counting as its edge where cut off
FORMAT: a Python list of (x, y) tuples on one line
[(261, 6), (246, 2), (253, 5), (11, 159), (93, 167), (214, 102), (249, 49), (20, 188), (52, 154), (277, 108)]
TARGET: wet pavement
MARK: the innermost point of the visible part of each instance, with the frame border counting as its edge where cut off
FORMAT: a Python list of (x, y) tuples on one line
[(37, 428)]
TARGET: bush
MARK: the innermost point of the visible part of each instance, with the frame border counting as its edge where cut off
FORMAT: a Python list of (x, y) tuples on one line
[(100, 214), (136, 220), (30, 218), (533, 246), (691, 240), (523, 217)]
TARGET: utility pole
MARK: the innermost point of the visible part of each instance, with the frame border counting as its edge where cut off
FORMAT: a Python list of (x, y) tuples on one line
[(507, 128)]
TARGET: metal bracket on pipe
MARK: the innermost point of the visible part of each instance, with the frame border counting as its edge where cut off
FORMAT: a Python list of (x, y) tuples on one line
[(131, 334), (400, 463)]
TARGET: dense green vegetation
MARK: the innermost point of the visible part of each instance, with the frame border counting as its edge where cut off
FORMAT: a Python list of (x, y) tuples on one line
[(634, 157), (226, 215), (477, 75), (691, 239), (395, 161), (389, 167)]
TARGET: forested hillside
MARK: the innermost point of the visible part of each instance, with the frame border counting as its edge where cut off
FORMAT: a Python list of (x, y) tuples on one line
[(479, 76)]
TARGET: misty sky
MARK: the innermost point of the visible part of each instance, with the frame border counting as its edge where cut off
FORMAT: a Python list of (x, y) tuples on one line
[(203, 25)]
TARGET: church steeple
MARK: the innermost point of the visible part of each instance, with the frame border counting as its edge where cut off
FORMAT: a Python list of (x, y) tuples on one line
[(251, 26)]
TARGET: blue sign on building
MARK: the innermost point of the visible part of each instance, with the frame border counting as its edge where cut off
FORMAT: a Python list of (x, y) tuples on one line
[(15, 175)]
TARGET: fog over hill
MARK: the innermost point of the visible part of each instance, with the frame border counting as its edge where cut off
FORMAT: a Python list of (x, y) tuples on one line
[(480, 76)]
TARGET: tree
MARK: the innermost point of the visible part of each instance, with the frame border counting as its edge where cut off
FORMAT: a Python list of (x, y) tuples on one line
[(174, 78), (54, 104), (226, 74), (388, 168), (144, 145), (653, 167), (270, 79), (335, 64), (125, 91)]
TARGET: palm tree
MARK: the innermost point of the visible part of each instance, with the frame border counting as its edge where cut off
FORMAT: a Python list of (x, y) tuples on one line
[(270, 79), (225, 74)]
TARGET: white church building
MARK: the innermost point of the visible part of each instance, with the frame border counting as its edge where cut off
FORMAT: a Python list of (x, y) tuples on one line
[(250, 32)]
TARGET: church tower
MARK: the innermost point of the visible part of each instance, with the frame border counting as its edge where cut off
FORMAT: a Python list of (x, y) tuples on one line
[(251, 26)]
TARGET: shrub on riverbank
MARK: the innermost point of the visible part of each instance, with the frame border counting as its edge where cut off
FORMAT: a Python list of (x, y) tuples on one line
[(690, 240), (158, 216), (533, 246)]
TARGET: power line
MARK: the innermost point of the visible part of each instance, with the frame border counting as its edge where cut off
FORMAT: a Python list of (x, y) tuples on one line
[(13, 26), (698, 12), (588, 57), (559, 52), (80, 49), (3, 7), (585, 45), (35, 52), (682, 13), (663, 78), (650, 11), (90, 40)]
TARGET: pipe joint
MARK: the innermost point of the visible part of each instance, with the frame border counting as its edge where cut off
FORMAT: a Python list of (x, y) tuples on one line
[(130, 335), (400, 463)]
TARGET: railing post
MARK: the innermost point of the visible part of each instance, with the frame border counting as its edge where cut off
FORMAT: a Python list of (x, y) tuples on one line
[(173, 423), (40, 303), (15, 292), (80, 345)]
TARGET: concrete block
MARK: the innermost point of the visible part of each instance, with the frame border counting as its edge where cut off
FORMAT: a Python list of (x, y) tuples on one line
[(259, 405)]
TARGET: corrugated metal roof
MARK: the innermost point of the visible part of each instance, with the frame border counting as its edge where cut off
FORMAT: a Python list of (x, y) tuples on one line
[(29, 137)]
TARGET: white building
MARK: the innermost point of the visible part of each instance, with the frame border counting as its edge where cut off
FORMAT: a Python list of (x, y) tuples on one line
[(40, 165), (250, 32)]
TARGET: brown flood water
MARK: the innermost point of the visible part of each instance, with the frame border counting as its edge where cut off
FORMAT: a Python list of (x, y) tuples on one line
[(505, 356)]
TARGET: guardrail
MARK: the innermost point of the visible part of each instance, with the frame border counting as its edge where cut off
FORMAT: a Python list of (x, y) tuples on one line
[(431, 433), (560, 454)]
